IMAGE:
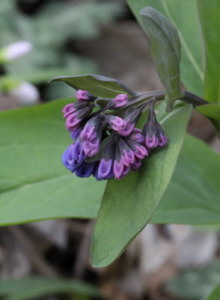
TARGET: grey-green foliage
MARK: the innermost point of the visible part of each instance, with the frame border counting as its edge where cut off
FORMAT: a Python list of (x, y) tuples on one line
[(197, 284), (48, 30)]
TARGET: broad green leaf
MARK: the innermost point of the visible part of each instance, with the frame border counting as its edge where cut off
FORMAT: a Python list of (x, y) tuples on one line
[(128, 204), (210, 23), (165, 50), (184, 15), (196, 284), (211, 111), (96, 84), (34, 184), (215, 294), (193, 194), (29, 288)]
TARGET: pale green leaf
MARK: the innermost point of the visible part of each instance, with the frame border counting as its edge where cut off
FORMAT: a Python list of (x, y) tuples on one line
[(184, 15), (210, 23), (128, 204), (165, 50)]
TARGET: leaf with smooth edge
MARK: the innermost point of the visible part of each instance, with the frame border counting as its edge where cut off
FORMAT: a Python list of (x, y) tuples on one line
[(184, 15), (97, 85), (215, 294), (210, 23), (128, 204), (165, 50), (31, 287), (192, 196), (34, 184)]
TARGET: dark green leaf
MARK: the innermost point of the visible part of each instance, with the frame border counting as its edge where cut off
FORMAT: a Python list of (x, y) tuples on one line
[(128, 204), (97, 85), (34, 184), (184, 15), (193, 194), (210, 23), (165, 50), (29, 288)]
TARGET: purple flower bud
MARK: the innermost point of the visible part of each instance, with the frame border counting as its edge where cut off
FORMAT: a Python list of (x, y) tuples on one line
[(150, 130), (88, 132), (136, 164), (162, 139), (137, 136), (91, 148), (117, 123), (85, 169), (118, 168), (126, 171), (77, 117), (127, 130), (151, 141), (104, 169), (72, 121), (76, 132), (73, 156), (140, 151), (68, 109), (82, 95), (120, 100), (128, 157)]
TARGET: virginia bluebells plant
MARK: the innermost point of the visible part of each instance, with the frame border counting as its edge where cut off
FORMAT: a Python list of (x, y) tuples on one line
[(106, 142)]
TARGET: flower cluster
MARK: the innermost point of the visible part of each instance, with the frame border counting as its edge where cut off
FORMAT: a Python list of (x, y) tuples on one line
[(106, 143)]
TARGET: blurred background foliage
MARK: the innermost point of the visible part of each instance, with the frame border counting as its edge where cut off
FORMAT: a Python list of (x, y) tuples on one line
[(52, 27)]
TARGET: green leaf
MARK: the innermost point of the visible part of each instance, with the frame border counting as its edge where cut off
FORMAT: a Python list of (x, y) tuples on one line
[(197, 284), (193, 194), (215, 294), (34, 184), (165, 50), (211, 111), (29, 288), (210, 23), (128, 204), (184, 15), (96, 84)]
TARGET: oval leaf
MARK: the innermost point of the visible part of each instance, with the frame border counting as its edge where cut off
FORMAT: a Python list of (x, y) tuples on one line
[(184, 15), (210, 23), (34, 185), (128, 204), (196, 182), (165, 50), (96, 84)]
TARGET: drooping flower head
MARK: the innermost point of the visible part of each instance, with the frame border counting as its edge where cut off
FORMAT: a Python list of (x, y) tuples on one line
[(106, 142)]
